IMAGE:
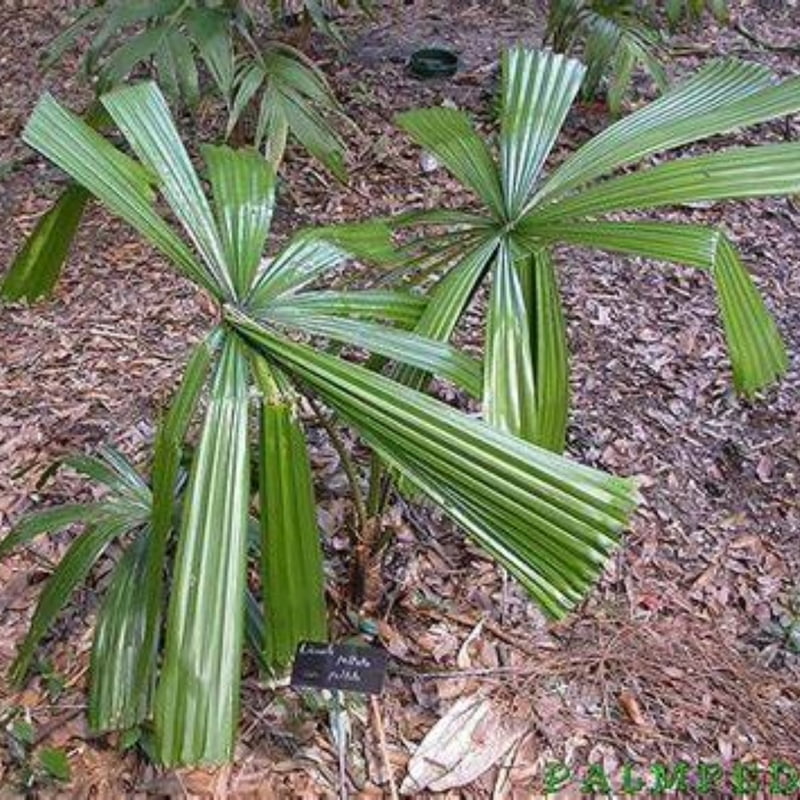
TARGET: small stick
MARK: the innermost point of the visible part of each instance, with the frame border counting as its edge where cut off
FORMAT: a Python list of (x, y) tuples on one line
[(376, 714), (775, 48), (458, 674), (494, 629), (55, 724), (341, 743)]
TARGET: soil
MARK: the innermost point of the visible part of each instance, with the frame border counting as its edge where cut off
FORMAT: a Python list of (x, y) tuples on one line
[(689, 649)]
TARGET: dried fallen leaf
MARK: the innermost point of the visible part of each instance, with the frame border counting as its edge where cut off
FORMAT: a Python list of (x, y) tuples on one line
[(630, 705), (764, 468), (464, 658), (471, 737)]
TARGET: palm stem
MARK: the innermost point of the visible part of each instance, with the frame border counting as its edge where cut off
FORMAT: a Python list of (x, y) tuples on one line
[(376, 497), (348, 465)]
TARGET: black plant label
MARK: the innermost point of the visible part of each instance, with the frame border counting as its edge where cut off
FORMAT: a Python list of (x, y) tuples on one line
[(345, 667)]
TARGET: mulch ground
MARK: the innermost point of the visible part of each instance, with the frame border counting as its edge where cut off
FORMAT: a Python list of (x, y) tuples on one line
[(690, 647)]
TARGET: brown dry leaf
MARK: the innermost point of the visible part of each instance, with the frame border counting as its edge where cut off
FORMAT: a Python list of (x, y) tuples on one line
[(464, 657), (705, 577), (749, 541), (630, 705), (211, 782), (472, 736), (764, 468)]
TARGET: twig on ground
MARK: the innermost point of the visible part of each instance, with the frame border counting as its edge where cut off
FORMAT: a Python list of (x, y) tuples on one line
[(493, 628), (755, 39), (487, 672), (376, 715), (51, 727)]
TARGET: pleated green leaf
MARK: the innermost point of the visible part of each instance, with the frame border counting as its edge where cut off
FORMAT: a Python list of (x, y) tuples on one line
[(758, 355), (552, 522), (134, 50), (551, 359), (299, 73), (448, 134), (402, 308), (310, 128), (638, 46), (509, 388), (38, 265), (665, 241), (254, 631), (248, 80), (110, 468), (426, 261), (767, 170), (68, 575), (614, 39), (296, 99), (538, 90), (130, 479), (210, 31), (293, 582), (447, 303), (166, 469), (442, 216), (115, 701), (623, 64), (311, 253), (369, 241), (36, 268), (197, 699), (142, 114), (177, 70), (70, 35), (244, 195), (97, 469), (185, 68), (401, 346), (121, 15), (118, 181), (51, 520), (724, 96), (272, 127), (305, 258)]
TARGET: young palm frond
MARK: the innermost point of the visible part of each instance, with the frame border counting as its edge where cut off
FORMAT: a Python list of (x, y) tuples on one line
[(124, 512)]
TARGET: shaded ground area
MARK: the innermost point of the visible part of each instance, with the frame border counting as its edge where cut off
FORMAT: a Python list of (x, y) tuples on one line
[(688, 649)]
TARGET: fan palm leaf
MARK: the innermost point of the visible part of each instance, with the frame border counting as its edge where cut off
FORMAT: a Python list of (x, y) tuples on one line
[(526, 371)]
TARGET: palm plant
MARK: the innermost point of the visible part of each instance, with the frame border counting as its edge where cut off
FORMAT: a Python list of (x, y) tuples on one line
[(274, 84), (173, 38), (615, 38), (551, 522), (526, 214)]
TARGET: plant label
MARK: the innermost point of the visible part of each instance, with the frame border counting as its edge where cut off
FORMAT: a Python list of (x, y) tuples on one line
[(346, 667)]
